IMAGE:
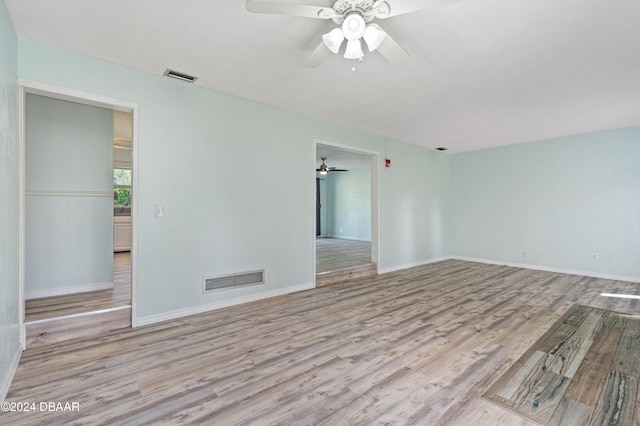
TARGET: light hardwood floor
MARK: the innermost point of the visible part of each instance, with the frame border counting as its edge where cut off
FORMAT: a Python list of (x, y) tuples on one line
[(333, 254), (59, 306), (418, 346)]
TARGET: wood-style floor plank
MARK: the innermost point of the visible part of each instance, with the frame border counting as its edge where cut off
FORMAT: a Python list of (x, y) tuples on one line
[(617, 400), (418, 346), (334, 254), (588, 381), (568, 376), (71, 304)]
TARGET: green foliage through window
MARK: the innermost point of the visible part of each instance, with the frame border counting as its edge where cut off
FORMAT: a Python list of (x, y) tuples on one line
[(121, 195), (121, 177), (121, 186)]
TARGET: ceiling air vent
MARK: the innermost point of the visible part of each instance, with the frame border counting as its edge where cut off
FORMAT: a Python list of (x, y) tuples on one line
[(233, 280), (442, 148), (180, 76)]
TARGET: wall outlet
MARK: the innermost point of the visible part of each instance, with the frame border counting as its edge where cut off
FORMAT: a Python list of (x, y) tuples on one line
[(595, 255), (524, 253), (341, 230), (158, 211)]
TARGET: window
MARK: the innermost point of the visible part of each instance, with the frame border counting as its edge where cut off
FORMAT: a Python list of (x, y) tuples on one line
[(121, 186)]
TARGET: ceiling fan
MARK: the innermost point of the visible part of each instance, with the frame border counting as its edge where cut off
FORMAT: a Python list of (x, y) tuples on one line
[(354, 18), (324, 169)]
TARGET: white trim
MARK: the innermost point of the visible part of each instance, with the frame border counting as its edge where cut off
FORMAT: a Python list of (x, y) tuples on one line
[(11, 372), (22, 209), (56, 193), (552, 269), (79, 315), (73, 95), (314, 199), (134, 217), (413, 264), (515, 265), (60, 291), (375, 198), (166, 316), (77, 96), (350, 148)]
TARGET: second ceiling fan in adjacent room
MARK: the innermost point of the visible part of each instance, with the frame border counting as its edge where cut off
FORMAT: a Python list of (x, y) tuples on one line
[(324, 169)]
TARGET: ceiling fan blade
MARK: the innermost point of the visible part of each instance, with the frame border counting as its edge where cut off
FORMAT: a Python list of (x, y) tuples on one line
[(317, 56), (399, 7), (392, 51), (291, 9)]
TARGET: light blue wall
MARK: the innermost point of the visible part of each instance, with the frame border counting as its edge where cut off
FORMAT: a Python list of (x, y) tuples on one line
[(69, 196), (560, 200), (207, 157), (9, 203), (348, 204), (415, 206)]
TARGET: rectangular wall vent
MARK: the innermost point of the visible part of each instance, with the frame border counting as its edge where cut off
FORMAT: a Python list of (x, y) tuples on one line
[(233, 280), (180, 76)]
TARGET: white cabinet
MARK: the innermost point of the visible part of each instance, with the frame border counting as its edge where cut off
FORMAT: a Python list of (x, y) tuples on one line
[(121, 233)]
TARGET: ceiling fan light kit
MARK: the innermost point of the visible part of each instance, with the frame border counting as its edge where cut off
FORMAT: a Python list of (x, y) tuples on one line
[(373, 36), (354, 18), (333, 39), (353, 50), (353, 26)]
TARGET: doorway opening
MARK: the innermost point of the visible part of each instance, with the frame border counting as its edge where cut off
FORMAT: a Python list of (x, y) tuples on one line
[(73, 280), (346, 216)]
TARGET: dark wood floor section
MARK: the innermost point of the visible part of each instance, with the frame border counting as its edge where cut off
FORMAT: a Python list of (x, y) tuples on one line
[(418, 346), (333, 254), (583, 371)]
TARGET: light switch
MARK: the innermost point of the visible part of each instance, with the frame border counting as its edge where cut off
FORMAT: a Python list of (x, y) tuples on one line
[(159, 211)]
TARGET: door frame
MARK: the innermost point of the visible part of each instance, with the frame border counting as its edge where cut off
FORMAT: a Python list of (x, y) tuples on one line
[(375, 197), (25, 87)]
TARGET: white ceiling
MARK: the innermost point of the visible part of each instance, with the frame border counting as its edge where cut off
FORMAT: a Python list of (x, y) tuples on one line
[(482, 73)]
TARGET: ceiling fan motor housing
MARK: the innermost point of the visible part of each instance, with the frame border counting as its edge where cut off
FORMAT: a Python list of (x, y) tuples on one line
[(344, 8)]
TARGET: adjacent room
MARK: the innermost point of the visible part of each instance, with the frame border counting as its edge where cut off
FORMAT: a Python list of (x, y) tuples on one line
[(250, 212), (344, 226)]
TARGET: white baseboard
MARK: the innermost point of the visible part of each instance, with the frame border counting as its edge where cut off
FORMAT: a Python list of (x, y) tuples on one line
[(61, 291), (78, 315), (515, 265), (8, 378), (551, 269), (166, 316), (413, 264)]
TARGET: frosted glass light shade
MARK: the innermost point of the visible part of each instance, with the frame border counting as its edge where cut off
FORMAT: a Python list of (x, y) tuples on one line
[(373, 36), (354, 50), (333, 39), (353, 26)]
